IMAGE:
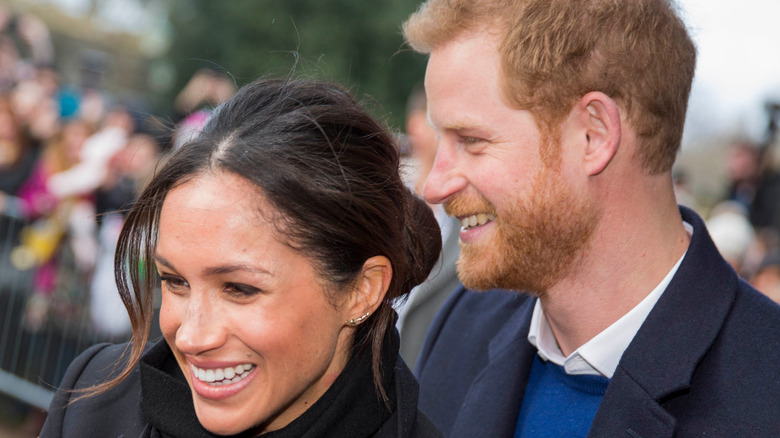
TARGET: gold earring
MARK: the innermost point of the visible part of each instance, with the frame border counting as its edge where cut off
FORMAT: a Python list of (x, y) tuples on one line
[(355, 321)]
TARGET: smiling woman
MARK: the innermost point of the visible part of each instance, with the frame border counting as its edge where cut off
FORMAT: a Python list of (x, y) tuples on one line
[(281, 237)]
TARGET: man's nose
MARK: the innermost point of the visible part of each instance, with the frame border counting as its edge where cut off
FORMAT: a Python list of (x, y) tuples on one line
[(446, 177)]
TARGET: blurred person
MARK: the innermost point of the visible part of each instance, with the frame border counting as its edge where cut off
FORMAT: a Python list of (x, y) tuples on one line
[(421, 136), (129, 171), (754, 182), (25, 44), (93, 167), (37, 109), (36, 103), (767, 277), (281, 235), (742, 169), (9, 60), (418, 310), (17, 155), (189, 128), (682, 190), (205, 90), (731, 232), (52, 217), (765, 208), (559, 125)]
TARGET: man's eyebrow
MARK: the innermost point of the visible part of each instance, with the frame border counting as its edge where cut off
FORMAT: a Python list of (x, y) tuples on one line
[(466, 124)]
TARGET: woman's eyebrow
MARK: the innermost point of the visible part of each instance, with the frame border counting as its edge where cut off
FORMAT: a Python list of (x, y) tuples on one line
[(226, 269), (161, 260), (222, 269)]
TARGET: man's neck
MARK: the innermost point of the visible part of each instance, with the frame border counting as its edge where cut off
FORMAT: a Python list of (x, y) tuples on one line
[(631, 252)]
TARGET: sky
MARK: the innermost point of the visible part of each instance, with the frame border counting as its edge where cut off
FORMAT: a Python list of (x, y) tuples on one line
[(738, 67)]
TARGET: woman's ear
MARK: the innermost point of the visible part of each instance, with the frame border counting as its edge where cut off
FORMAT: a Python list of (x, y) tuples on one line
[(601, 117), (370, 289)]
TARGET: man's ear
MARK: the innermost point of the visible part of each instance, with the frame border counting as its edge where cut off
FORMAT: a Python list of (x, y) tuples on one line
[(370, 289), (601, 117)]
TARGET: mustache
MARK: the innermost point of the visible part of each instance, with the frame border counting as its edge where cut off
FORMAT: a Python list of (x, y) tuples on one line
[(466, 205)]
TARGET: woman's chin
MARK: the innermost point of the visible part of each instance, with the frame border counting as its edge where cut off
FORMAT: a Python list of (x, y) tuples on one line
[(222, 427), (222, 423)]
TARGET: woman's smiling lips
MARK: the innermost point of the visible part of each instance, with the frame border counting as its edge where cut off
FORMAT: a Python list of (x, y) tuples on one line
[(220, 382)]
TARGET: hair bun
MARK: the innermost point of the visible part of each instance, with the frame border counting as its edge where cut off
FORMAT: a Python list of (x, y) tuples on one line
[(423, 241)]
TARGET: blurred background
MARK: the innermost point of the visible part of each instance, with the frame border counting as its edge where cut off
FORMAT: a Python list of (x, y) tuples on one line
[(94, 93)]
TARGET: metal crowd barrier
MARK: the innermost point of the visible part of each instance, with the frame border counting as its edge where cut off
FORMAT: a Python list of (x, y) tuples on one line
[(39, 335)]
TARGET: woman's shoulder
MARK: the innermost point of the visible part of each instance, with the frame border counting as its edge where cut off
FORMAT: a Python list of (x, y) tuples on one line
[(424, 428), (117, 409), (421, 427), (407, 421), (95, 363)]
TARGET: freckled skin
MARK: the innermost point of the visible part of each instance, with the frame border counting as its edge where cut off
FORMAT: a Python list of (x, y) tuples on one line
[(234, 294)]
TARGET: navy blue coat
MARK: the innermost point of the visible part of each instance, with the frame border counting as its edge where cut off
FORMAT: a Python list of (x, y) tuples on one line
[(706, 361)]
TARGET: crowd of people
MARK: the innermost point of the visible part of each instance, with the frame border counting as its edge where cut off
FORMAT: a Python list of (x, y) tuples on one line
[(745, 224), (72, 160)]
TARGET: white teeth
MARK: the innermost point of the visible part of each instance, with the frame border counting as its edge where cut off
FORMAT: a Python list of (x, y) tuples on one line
[(476, 219), (222, 376)]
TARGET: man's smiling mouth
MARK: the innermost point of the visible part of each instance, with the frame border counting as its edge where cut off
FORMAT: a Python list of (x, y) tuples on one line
[(475, 220)]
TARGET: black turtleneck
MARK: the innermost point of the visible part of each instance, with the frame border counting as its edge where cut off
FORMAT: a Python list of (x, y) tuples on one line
[(351, 407)]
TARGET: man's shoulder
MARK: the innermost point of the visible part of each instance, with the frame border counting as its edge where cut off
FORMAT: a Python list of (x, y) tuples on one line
[(708, 356), (753, 324), (494, 304), (475, 331), (739, 371), (472, 318)]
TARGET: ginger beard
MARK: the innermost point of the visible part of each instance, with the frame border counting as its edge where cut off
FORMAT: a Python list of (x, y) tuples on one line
[(537, 241)]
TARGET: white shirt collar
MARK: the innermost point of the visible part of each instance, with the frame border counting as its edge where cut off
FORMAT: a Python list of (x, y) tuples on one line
[(601, 354)]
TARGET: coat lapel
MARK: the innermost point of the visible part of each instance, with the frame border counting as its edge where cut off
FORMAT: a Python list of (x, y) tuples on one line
[(493, 401), (661, 360)]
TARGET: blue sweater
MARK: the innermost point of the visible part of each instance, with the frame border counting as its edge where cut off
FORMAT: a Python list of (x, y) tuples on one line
[(556, 404)]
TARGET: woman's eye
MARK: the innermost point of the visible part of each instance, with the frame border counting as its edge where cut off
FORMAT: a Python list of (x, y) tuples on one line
[(241, 290), (172, 282)]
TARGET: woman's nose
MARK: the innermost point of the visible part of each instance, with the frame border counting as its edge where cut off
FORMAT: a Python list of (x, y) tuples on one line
[(201, 327)]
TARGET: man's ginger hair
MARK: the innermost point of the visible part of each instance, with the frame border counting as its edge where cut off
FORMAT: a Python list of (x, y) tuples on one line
[(553, 52)]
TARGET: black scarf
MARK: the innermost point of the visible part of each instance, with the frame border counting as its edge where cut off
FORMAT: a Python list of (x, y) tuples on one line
[(349, 408)]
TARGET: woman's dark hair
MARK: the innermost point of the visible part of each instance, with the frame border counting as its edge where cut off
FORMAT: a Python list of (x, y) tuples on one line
[(332, 174)]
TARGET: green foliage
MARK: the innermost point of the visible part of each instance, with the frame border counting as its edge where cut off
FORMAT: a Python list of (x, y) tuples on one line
[(355, 42)]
